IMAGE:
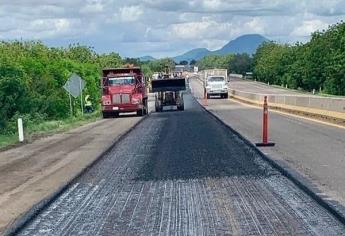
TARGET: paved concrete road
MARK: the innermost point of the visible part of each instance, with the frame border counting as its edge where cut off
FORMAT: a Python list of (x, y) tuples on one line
[(316, 150), (182, 173), (258, 87)]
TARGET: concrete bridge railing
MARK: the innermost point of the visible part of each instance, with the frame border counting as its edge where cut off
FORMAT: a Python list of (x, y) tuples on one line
[(326, 106)]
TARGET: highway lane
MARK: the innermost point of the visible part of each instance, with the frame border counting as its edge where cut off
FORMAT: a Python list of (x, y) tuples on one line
[(316, 150), (261, 88), (182, 173)]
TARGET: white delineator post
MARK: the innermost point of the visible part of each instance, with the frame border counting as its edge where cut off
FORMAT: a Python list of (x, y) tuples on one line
[(20, 130), (81, 98)]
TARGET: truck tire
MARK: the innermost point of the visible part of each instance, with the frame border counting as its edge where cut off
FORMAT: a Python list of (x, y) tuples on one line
[(226, 95), (145, 111), (180, 108), (115, 114), (159, 109), (146, 108), (141, 112), (105, 115), (208, 96)]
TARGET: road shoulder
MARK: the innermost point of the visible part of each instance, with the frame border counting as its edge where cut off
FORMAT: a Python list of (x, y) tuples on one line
[(321, 173), (33, 172)]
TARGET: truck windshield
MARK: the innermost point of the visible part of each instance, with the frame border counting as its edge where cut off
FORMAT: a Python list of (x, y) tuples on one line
[(216, 79), (121, 80)]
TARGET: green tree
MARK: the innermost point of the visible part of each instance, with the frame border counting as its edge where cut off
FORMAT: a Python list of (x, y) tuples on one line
[(32, 76), (240, 64), (215, 61), (192, 62), (317, 64)]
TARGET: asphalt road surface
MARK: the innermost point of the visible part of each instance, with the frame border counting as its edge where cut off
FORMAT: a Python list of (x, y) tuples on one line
[(182, 173)]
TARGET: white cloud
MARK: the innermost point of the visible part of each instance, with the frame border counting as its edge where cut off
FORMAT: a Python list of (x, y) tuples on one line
[(163, 27), (93, 7), (307, 27), (40, 25), (212, 44), (62, 25), (206, 28), (212, 4), (216, 31), (129, 13), (255, 24)]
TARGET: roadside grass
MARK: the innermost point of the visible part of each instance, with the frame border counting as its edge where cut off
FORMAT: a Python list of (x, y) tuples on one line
[(36, 130), (7, 139)]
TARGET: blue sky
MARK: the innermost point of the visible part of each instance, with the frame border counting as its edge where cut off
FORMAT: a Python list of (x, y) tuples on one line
[(163, 28)]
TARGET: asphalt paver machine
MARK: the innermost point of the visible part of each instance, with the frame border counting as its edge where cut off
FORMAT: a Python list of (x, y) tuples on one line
[(168, 92)]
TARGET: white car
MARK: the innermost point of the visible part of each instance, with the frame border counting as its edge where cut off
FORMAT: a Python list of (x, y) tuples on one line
[(216, 85)]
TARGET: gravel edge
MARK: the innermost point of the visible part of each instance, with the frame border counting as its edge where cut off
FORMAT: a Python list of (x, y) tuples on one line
[(25, 219)]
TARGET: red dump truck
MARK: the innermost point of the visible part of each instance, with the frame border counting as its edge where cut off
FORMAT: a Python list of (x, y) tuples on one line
[(123, 91)]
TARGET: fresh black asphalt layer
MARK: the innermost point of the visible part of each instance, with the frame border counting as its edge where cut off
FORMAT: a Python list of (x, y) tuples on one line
[(182, 173)]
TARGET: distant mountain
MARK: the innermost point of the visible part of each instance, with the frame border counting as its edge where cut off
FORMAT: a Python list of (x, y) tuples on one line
[(244, 44), (195, 54), (147, 58)]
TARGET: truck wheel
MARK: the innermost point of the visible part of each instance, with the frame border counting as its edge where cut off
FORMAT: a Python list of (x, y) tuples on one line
[(226, 96), (105, 115), (180, 108), (146, 108), (140, 112), (159, 109), (208, 96), (115, 114)]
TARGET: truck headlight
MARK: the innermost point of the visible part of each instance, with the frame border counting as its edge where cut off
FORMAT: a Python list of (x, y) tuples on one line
[(135, 101), (106, 100)]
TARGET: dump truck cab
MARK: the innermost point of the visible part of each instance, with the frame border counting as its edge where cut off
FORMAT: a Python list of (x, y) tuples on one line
[(216, 85), (123, 91), (215, 82)]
